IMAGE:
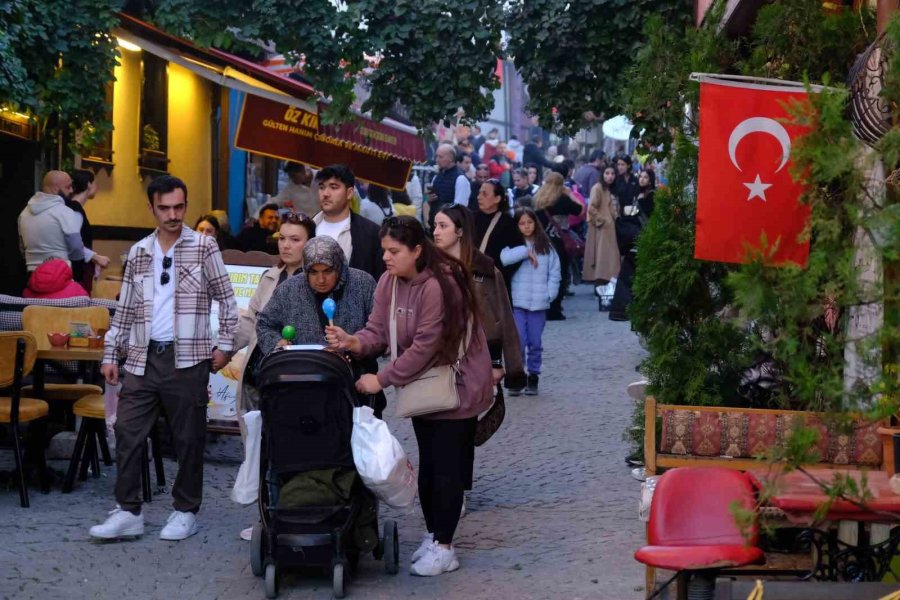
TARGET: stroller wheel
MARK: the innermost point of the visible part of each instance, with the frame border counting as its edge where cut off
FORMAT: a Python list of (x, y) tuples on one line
[(271, 581), (391, 545), (338, 580), (256, 550)]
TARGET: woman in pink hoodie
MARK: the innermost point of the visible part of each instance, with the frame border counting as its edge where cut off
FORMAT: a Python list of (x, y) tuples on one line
[(434, 302), (53, 280)]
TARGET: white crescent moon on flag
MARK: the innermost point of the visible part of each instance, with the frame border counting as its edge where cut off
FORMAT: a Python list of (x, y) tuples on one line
[(760, 125)]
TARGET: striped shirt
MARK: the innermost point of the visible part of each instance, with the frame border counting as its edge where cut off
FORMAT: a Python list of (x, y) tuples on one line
[(199, 277)]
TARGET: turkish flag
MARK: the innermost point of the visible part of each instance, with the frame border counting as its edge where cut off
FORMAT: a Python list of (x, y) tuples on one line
[(744, 185)]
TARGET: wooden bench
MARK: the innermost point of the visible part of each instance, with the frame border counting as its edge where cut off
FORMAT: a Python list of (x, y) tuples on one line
[(718, 436)]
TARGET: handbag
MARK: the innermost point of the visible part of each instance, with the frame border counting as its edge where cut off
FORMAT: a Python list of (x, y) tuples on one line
[(572, 242), (490, 421), (434, 390)]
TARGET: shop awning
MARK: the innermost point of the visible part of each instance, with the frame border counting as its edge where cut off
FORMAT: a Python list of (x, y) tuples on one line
[(281, 131)]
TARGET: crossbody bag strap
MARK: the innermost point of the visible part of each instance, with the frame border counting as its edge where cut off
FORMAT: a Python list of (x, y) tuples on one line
[(490, 229), (392, 327)]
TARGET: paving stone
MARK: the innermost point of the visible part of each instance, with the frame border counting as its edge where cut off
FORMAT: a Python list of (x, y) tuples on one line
[(553, 513)]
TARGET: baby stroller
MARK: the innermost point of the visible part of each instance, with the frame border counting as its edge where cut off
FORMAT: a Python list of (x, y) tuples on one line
[(314, 510)]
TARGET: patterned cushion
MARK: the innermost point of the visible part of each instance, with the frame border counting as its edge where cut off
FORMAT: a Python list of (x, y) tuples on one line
[(739, 434), (11, 307)]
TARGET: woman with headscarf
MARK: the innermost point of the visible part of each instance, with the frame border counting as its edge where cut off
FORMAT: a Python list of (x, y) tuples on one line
[(299, 303)]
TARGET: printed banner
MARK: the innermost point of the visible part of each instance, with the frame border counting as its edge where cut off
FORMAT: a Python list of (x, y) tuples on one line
[(291, 133), (224, 384)]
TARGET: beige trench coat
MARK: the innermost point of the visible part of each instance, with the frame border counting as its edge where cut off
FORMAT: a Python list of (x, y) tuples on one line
[(601, 251)]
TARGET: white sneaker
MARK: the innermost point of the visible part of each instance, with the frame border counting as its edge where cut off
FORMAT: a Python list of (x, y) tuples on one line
[(247, 534), (179, 526), (427, 542), (435, 561), (120, 523)]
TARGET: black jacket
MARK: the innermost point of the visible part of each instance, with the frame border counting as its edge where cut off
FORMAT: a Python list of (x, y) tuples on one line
[(257, 238), (505, 235), (367, 253)]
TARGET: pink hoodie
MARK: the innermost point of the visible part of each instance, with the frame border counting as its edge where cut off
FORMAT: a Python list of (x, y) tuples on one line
[(420, 307), (53, 280)]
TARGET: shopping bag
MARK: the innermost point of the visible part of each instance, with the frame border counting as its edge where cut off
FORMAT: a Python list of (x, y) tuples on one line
[(246, 485), (380, 460)]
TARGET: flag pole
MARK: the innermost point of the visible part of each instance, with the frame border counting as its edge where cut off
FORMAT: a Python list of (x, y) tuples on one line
[(763, 82)]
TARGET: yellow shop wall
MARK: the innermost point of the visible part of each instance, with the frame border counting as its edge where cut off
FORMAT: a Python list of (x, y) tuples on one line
[(122, 197)]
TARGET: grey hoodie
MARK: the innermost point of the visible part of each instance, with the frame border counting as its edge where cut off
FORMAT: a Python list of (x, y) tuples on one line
[(49, 229)]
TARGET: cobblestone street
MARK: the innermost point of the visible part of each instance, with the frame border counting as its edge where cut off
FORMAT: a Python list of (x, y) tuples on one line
[(553, 513)]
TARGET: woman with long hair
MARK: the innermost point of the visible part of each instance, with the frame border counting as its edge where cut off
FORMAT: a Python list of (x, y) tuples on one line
[(534, 286), (601, 251), (433, 305), (454, 234), (553, 203)]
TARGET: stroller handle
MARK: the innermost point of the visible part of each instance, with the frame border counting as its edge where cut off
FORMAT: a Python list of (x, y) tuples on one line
[(307, 378)]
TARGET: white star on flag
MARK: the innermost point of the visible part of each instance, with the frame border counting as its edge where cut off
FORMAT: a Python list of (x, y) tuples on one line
[(757, 189)]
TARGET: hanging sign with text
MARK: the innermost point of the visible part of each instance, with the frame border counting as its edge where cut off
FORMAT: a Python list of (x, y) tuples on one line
[(290, 133)]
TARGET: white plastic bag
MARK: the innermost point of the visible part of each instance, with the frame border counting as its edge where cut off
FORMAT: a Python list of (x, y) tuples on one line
[(246, 485), (381, 461)]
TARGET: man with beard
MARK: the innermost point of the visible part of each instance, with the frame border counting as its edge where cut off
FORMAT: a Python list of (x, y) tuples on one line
[(47, 227)]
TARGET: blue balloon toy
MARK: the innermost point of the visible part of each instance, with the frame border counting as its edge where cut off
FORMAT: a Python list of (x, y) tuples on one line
[(329, 308)]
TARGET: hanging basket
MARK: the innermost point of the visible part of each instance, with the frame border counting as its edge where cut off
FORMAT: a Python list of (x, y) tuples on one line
[(869, 112)]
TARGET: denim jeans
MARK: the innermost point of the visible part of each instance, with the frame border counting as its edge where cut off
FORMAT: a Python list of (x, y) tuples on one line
[(530, 324)]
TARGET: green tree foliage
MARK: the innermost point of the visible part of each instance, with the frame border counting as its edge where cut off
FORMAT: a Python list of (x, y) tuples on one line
[(787, 304), (574, 55), (436, 56), (56, 58)]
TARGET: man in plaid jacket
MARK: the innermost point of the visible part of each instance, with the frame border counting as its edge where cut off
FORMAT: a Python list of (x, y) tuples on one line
[(161, 324)]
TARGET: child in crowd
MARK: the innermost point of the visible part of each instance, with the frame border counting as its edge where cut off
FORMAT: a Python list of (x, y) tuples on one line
[(534, 286)]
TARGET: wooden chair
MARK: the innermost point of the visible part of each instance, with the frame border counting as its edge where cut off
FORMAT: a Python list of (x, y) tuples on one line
[(92, 435), (254, 258), (106, 288), (41, 320), (18, 351)]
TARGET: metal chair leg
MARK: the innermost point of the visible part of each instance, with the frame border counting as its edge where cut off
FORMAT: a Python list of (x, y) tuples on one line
[(69, 481), (158, 459), (86, 456), (20, 467), (104, 446), (95, 454)]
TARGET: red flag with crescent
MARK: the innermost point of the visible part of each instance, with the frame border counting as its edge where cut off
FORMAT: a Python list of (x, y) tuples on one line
[(745, 191)]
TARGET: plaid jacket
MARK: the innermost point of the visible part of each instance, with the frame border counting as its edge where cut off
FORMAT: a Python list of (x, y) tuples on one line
[(199, 277)]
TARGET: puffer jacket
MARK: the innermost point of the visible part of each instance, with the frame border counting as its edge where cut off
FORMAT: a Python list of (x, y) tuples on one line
[(533, 288), (53, 280)]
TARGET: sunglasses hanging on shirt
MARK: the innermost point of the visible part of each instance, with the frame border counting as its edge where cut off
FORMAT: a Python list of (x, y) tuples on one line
[(164, 276)]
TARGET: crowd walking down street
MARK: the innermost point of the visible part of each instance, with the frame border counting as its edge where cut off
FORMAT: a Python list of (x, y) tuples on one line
[(552, 512)]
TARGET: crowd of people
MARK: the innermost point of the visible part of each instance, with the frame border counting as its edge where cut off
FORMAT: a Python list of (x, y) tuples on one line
[(476, 269)]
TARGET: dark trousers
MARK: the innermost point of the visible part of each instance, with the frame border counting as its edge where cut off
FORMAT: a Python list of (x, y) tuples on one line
[(446, 452), (182, 394), (565, 276)]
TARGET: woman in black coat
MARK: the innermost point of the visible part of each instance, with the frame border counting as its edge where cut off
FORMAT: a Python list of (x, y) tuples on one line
[(493, 208)]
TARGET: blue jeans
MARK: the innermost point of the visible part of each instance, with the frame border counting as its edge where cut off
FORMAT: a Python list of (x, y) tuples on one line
[(530, 324)]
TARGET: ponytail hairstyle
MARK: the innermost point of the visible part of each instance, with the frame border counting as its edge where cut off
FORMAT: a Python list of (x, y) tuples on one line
[(541, 241), (462, 219), (452, 276)]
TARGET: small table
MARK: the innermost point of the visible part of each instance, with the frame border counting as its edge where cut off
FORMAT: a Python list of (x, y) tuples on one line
[(75, 354), (848, 554)]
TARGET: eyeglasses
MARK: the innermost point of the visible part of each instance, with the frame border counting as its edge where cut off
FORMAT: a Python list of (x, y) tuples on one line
[(297, 218), (398, 221), (164, 276), (493, 181)]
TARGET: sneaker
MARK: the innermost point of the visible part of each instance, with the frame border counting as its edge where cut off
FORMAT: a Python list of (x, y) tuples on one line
[(247, 534), (639, 473), (427, 543), (516, 392), (179, 526), (120, 523), (435, 561), (532, 389)]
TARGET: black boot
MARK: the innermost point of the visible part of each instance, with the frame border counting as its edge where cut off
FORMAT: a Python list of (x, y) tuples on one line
[(532, 389)]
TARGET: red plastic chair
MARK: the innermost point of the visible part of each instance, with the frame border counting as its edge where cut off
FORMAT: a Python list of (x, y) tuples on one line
[(692, 530)]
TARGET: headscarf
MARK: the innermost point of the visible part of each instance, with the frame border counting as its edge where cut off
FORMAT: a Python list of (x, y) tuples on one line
[(324, 250)]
